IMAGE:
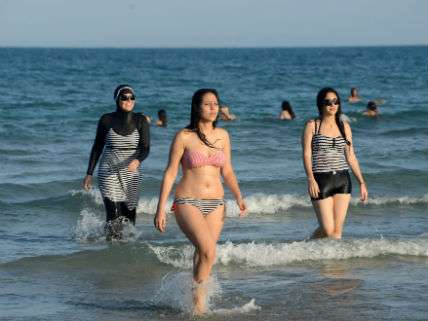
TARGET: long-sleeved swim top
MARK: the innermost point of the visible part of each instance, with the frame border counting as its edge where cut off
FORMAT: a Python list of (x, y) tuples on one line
[(122, 123)]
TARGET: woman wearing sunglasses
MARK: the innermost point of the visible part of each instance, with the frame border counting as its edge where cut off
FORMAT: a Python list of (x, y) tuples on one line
[(123, 140), (328, 152), (204, 153)]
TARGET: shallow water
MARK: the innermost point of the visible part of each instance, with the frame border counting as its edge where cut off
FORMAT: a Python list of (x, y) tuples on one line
[(55, 264)]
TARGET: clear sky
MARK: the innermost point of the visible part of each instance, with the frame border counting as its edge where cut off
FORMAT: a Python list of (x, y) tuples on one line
[(218, 23)]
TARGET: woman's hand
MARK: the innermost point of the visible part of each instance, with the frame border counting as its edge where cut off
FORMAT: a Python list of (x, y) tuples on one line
[(87, 182), (133, 165), (364, 194), (160, 221), (242, 207), (313, 188)]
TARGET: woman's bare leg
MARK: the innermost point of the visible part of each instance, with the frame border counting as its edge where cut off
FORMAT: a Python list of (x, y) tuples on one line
[(341, 204), (324, 210), (203, 232)]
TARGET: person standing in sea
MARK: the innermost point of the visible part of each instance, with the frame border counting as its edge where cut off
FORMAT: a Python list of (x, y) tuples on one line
[(123, 140), (204, 152), (328, 152)]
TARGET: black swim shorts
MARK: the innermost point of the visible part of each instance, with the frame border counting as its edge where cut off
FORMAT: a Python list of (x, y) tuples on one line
[(331, 183)]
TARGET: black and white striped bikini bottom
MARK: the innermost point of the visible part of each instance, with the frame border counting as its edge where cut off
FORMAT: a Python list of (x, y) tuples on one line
[(206, 206)]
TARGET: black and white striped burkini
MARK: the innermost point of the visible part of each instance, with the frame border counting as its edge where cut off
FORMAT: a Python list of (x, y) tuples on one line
[(116, 182), (328, 153), (206, 206)]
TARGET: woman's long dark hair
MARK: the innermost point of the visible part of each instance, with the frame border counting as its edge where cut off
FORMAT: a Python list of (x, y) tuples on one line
[(162, 117), (320, 104), (286, 106), (195, 114)]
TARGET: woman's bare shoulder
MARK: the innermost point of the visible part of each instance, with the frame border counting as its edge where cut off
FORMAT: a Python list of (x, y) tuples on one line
[(183, 135), (310, 123), (347, 127), (221, 133)]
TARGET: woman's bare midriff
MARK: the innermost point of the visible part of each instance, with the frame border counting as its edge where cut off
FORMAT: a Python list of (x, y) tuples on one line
[(201, 183)]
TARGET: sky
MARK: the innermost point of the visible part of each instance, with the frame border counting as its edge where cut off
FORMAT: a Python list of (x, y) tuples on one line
[(219, 23)]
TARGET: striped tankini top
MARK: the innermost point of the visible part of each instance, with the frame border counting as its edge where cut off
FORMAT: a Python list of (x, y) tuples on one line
[(328, 153), (116, 182)]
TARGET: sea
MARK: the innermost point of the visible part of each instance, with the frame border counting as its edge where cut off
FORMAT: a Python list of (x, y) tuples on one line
[(55, 263)]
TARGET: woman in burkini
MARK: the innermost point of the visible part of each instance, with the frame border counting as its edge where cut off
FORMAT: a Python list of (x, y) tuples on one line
[(328, 152), (125, 139), (204, 152)]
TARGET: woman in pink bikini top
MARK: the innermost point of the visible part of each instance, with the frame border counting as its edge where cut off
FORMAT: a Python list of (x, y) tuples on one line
[(204, 152), (192, 159)]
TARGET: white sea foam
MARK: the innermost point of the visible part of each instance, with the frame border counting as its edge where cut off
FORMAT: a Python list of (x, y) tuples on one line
[(246, 308), (263, 254), (90, 228), (177, 256), (399, 200), (256, 203), (149, 206), (175, 292), (262, 203), (93, 193), (273, 203), (268, 204)]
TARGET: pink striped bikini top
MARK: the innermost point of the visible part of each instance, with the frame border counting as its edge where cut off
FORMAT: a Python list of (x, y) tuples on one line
[(195, 158)]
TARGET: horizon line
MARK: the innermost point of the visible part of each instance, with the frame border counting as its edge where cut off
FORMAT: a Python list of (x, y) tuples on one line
[(214, 47)]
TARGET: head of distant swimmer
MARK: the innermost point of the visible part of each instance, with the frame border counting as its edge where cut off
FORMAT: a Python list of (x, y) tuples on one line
[(371, 105), (328, 103), (285, 105), (124, 97), (354, 92), (162, 115)]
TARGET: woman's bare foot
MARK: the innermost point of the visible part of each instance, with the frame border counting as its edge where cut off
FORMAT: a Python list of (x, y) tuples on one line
[(199, 298)]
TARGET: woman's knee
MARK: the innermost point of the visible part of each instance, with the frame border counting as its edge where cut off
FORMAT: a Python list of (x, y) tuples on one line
[(208, 254)]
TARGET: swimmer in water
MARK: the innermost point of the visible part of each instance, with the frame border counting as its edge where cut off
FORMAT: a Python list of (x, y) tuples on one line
[(354, 98), (162, 118), (372, 110), (287, 112)]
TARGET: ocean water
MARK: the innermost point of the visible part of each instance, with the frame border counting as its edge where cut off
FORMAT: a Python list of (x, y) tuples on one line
[(55, 263)]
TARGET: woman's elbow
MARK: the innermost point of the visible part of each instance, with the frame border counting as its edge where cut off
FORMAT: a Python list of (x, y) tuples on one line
[(170, 173), (226, 173), (307, 156), (352, 161)]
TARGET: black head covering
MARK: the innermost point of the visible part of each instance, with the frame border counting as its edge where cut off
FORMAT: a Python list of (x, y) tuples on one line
[(120, 89)]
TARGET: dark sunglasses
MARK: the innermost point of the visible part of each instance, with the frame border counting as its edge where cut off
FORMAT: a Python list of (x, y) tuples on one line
[(328, 102), (126, 97)]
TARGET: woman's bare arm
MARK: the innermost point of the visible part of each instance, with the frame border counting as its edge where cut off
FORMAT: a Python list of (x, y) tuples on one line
[(308, 133), (229, 174), (170, 174), (352, 160)]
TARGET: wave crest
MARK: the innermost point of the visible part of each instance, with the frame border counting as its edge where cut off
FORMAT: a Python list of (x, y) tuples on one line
[(262, 203), (263, 254)]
